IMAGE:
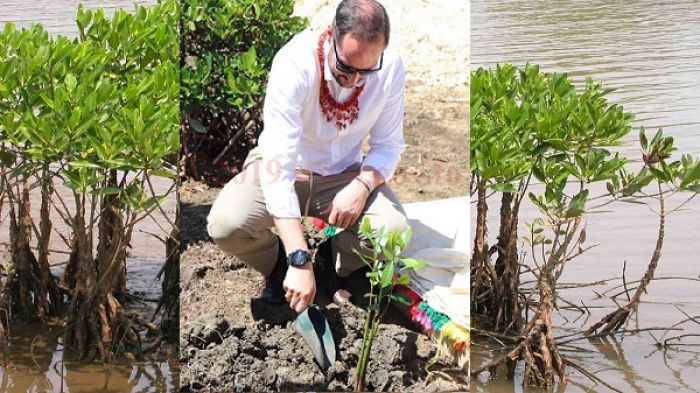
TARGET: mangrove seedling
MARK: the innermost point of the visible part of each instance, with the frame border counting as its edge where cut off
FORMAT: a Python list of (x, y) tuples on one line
[(384, 261)]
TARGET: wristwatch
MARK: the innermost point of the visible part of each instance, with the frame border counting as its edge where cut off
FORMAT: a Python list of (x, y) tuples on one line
[(298, 258)]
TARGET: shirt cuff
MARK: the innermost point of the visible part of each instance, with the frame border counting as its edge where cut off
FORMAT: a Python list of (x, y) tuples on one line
[(385, 162), (282, 202)]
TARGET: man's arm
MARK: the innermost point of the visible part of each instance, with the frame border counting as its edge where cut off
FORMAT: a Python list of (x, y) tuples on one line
[(371, 177), (278, 144)]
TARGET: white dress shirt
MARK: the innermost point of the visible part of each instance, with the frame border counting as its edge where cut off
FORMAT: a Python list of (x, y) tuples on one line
[(297, 135)]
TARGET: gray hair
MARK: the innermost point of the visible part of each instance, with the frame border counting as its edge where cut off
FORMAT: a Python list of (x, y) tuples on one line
[(365, 19)]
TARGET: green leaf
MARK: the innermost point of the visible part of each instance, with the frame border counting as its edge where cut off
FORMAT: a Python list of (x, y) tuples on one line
[(387, 275), (71, 82), (403, 280), (413, 264), (366, 227), (657, 138), (504, 187), (577, 205), (610, 187), (83, 164), (162, 172), (658, 174), (405, 238), (401, 298), (7, 158), (691, 175), (643, 139), (249, 57), (198, 126)]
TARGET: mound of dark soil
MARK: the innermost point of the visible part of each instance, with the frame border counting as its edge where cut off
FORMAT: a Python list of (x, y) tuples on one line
[(231, 341)]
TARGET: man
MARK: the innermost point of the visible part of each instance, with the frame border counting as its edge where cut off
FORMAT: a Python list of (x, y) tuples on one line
[(326, 92)]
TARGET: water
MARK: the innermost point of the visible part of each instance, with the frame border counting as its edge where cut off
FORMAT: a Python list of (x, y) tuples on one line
[(650, 52), (57, 16), (42, 368), (36, 362)]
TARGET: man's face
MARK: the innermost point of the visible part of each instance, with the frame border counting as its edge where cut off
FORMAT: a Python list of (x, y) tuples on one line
[(357, 54)]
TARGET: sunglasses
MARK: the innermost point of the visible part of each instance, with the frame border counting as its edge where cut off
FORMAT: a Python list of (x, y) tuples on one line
[(342, 67)]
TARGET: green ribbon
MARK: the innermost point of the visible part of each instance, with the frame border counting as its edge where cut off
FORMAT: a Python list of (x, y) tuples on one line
[(437, 318), (329, 231)]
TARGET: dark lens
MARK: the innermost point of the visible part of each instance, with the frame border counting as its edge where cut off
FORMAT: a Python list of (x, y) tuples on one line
[(344, 68), (350, 70)]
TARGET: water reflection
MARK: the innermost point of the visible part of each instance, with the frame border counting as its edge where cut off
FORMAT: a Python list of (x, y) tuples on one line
[(39, 367), (650, 53)]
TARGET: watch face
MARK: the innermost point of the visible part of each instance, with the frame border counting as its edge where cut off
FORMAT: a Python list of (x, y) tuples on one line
[(299, 258)]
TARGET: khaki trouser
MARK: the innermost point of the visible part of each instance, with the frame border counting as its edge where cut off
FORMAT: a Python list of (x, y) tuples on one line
[(239, 223)]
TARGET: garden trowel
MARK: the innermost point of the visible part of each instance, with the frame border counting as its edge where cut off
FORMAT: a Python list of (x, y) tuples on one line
[(314, 329)]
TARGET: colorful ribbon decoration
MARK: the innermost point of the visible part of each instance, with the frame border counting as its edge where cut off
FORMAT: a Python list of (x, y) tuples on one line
[(429, 319), (437, 319), (457, 334), (328, 230)]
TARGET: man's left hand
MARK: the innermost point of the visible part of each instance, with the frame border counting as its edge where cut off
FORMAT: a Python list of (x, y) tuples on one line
[(347, 205)]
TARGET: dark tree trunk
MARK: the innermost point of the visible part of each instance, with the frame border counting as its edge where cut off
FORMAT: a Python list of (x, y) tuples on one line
[(508, 317), (111, 246), (48, 282), (28, 297), (170, 298), (82, 331), (483, 289)]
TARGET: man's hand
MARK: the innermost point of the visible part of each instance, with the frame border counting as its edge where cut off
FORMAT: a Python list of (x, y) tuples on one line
[(300, 286), (347, 205)]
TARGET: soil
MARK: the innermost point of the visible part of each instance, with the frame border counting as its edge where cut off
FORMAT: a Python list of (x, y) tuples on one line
[(231, 341)]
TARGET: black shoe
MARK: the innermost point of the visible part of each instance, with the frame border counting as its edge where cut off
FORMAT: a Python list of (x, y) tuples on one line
[(273, 293), (326, 276)]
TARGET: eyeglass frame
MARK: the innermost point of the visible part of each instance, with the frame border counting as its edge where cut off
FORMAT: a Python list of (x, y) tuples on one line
[(346, 69)]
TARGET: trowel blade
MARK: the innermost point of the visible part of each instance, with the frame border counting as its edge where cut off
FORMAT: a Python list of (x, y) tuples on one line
[(316, 332)]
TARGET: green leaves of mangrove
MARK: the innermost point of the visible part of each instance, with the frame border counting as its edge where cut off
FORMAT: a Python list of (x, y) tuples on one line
[(105, 101), (529, 124), (228, 50)]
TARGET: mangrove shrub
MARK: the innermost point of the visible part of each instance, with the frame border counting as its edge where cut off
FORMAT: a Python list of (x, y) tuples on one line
[(227, 51)]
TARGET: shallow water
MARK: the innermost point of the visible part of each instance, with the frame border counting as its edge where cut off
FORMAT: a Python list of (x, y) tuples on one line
[(35, 358), (36, 361), (57, 16), (650, 52)]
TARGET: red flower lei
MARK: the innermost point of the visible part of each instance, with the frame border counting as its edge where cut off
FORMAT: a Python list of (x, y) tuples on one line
[(342, 113)]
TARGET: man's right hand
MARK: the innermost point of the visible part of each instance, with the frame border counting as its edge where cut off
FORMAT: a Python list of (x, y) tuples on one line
[(300, 286)]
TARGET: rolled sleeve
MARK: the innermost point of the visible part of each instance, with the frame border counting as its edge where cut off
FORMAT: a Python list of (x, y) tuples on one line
[(279, 140), (386, 141)]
